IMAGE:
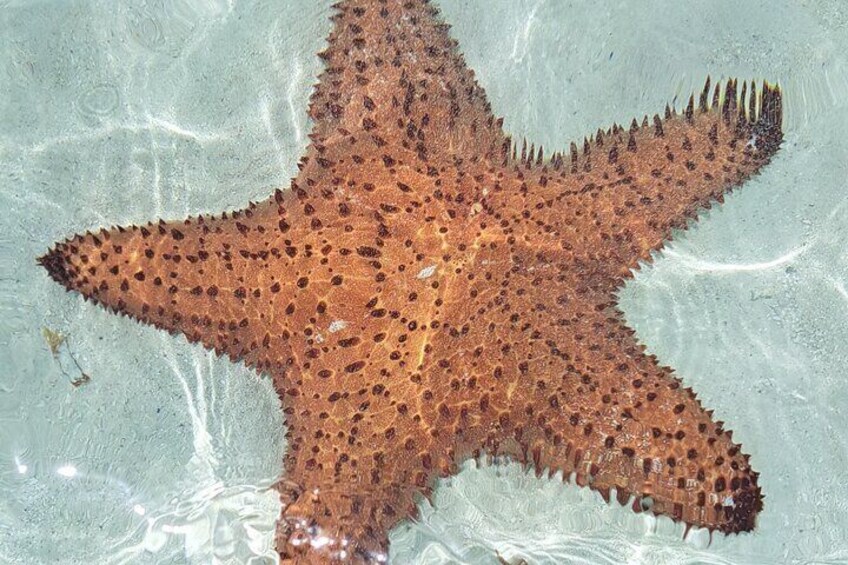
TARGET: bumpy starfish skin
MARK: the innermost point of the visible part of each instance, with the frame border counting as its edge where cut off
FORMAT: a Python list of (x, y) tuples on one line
[(423, 295)]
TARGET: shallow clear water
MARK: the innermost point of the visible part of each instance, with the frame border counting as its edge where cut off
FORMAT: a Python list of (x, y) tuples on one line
[(127, 445)]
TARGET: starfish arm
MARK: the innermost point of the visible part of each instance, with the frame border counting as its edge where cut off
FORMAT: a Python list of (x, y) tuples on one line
[(628, 424), (551, 377), (570, 389), (395, 76), (619, 198), (244, 284), (353, 471)]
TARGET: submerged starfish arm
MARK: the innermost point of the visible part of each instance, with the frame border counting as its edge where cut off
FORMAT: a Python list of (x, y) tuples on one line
[(554, 379), (394, 74), (200, 277), (620, 196), (608, 415)]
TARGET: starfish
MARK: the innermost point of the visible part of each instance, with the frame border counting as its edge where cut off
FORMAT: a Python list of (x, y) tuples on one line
[(426, 292)]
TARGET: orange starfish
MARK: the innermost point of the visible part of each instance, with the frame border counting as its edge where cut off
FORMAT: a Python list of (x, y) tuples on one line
[(423, 295)]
